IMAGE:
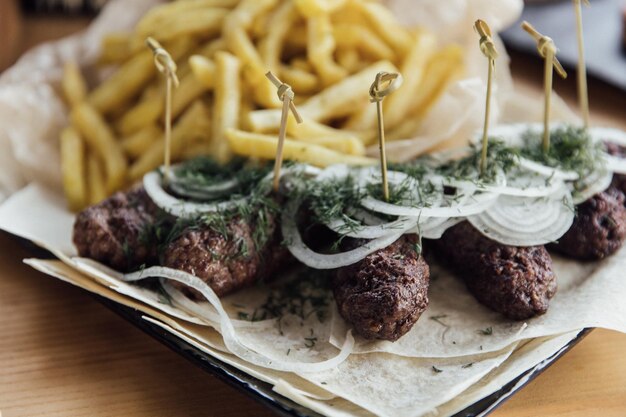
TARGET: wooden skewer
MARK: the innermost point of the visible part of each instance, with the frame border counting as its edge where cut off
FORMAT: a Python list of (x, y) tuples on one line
[(583, 97), (547, 50), (166, 65), (286, 95), (377, 94), (488, 48)]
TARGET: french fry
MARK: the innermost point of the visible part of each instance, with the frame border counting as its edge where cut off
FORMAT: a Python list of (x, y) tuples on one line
[(386, 25), (73, 168), (211, 48), (73, 84), (300, 80), (398, 105), (150, 109), (349, 59), (144, 113), (313, 8), (99, 136), (444, 67), (247, 11), (203, 69), (337, 139), (298, 38), (194, 123), (336, 101), (226, 103), (135, 145), (205, 21), (264, 146), (320, 49), (130, 78), (156, 16), (116, 48), (95, 180), (405, 130), (281, 21), (358, 36), (301, 64)]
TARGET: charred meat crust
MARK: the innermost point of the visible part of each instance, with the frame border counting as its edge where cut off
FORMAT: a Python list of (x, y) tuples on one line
[(517, 282), (111, 231), (227, 263), (383, 295), (599, 228)]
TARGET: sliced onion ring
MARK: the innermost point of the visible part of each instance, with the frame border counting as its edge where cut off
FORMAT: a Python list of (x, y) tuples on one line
[(316, 260), (521, 221), (595, 183), (181, 208), (342, 227), (478, 203), (232, 342)]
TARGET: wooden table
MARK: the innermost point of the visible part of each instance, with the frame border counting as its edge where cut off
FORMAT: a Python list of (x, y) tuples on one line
[(64, 354)]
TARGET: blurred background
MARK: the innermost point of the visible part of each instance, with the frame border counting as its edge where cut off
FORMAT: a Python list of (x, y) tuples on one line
[(23, 21)]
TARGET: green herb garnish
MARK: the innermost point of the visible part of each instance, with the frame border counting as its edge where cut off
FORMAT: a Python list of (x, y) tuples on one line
[(571, 149)]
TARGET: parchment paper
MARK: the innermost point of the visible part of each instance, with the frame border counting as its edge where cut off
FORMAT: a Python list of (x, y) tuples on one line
[(384, 379)]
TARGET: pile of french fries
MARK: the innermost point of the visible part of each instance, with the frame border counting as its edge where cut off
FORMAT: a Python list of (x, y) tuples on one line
[(329, 51)]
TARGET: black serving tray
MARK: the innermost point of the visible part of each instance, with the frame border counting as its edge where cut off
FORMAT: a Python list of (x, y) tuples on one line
[(262, 391)]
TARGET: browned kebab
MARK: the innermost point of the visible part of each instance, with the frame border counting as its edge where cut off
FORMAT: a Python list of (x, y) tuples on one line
[(517, 282), (382, 296)]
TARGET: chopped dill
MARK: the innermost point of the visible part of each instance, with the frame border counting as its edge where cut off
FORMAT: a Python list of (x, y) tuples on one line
[(204, 171), (436, 370), (303, 297), (332, 199), (468, 365), (499, 157), (486, 332), (162, 296), (438, 319), (571, 149)]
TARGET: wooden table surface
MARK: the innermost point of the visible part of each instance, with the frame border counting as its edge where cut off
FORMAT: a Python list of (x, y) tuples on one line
[(64, 354)]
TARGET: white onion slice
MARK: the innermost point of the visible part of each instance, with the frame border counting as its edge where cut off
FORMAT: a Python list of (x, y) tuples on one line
[(203, 310), (478, 203), (315, 260), (615, 164), (342, 227), (437, 230), (519, 221), (608, 134), (232, 342), (181, 208), (546, 171), (201, 192), (595, 183)]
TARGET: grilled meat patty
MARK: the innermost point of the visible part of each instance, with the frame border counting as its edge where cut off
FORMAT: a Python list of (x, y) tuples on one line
[(384, 294), (515, 281), (226, 262), (111, 232), (599, 228)]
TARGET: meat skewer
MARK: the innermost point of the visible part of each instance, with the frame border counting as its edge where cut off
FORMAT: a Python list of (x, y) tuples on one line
[(517, 282), (227, 262), (384, 294), (112, 232), (599, 227)]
